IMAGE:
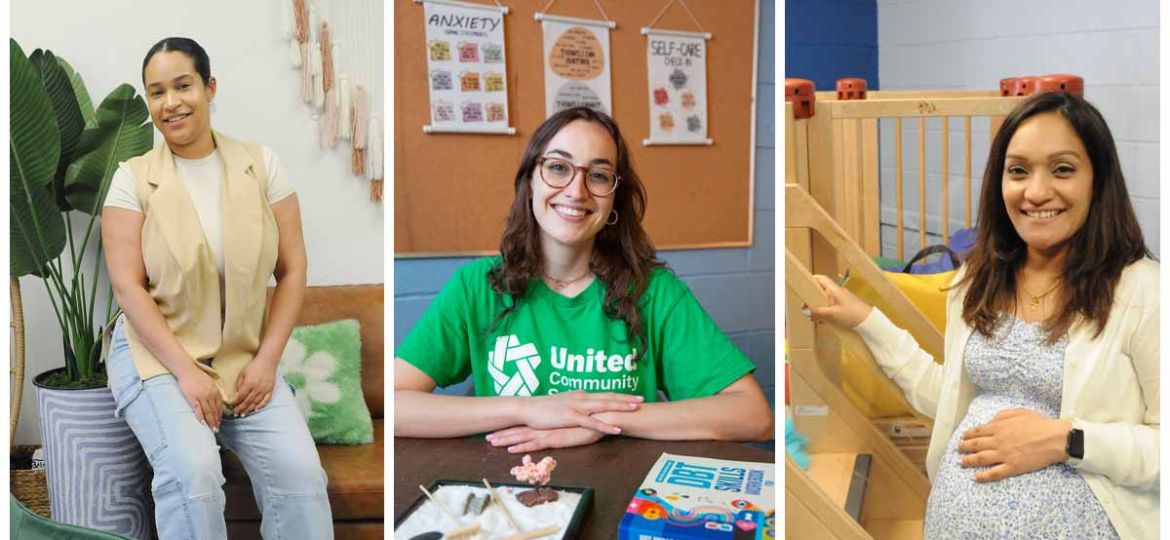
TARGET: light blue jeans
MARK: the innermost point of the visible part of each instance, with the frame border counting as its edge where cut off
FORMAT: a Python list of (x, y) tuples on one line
[(273, 444)]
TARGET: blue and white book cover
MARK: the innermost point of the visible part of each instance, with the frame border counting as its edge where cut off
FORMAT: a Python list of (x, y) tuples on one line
[(697, 498)]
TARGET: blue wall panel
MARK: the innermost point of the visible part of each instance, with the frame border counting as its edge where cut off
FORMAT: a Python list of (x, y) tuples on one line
[(826, 40)]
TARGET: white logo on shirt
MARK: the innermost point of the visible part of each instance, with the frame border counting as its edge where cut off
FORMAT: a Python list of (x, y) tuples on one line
[(521, 383), (591, 361)]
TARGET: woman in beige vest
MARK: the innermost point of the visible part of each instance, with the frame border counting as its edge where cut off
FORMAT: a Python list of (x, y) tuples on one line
[(193, 232)]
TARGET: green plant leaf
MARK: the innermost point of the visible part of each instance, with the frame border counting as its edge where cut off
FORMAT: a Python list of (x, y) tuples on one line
[(123, 131), (69, 119), (84, 104), (70, 359), (36, 227)]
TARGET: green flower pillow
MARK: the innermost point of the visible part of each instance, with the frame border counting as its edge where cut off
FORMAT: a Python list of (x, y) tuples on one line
[(323, 364)]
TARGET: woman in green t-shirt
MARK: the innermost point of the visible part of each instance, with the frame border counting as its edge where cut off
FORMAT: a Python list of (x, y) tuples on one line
[(572, 332)]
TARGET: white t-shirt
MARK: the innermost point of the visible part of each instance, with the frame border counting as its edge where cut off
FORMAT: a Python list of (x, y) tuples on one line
[(203, 179)]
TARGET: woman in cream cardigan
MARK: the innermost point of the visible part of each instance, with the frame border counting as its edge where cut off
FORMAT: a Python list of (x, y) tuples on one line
[(193, 231), (1045, 409)]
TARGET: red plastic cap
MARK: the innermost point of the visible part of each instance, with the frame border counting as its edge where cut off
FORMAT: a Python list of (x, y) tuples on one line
[(1009, 86), (1027, 86), (851, 88), (1061, 82), (802, 94)]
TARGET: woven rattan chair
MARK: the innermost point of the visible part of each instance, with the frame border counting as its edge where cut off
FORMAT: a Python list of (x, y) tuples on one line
[(17, 382)]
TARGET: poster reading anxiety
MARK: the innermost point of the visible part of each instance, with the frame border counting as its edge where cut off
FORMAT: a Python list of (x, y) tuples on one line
[(677, 70), (576, 66), (466, 71)]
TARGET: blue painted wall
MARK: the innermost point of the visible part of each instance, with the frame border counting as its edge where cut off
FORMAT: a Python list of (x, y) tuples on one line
[(826, 40), (735, 286)]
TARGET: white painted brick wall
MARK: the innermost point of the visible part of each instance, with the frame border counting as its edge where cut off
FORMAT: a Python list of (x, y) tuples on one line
[(972, 44)]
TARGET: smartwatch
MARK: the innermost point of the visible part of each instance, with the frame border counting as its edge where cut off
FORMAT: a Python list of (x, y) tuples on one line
[(1075, 446)]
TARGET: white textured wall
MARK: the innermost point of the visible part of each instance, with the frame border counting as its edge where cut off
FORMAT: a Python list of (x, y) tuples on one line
[(257, 100), (972, 44)]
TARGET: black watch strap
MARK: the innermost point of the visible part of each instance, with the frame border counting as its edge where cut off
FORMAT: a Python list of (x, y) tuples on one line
[(1075, 447)]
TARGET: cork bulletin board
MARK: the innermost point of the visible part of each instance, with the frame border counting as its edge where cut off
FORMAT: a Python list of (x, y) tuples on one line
[(452, 191)]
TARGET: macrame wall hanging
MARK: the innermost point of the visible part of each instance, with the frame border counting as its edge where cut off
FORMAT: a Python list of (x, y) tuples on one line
[(339, 102)]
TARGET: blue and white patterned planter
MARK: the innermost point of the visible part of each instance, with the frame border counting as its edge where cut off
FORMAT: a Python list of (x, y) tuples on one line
[(97, 474)]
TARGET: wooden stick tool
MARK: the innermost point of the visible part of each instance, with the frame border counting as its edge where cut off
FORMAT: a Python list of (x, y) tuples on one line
[(503, 507), (535, 533), (439, 505), (461, 530)]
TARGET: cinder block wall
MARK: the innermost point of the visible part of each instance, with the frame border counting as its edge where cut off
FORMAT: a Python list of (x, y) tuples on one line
[(972, 44)]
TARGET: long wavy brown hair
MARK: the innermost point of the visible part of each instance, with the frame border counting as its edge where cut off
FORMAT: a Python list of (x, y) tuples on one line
[(623, 257), (1108, 241)]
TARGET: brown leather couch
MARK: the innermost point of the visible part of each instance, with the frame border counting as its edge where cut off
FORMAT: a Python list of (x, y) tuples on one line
[(356, 473)]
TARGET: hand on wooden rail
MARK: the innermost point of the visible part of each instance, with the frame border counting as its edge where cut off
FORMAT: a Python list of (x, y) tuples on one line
[(843, 308)]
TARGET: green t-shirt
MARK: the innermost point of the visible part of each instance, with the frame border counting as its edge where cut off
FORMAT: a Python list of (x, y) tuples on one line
[(551, 343)]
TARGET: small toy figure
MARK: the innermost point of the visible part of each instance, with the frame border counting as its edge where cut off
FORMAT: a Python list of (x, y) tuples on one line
[(537, 474)]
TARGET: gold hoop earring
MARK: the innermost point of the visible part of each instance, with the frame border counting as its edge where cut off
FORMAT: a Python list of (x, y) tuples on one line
[(614, 215)]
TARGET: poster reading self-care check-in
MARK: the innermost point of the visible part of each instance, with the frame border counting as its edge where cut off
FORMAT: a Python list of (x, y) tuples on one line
[(676, 63)]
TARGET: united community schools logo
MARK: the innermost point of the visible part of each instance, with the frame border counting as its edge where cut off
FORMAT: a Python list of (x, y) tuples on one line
[(525, 359)]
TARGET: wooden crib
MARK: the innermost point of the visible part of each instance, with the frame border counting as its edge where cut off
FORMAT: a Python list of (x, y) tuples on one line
[(861, 484)]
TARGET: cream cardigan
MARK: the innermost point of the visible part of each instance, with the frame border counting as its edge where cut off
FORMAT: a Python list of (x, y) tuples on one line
[(1111, 391)]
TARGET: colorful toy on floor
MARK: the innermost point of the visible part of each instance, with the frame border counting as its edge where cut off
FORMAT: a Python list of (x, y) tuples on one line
[(794, 444)]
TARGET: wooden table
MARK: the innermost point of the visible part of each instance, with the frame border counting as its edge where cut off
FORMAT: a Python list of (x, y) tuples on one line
[(613, 467)]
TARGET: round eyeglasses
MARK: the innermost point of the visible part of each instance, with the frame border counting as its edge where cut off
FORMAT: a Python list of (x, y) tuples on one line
[(558, 173)]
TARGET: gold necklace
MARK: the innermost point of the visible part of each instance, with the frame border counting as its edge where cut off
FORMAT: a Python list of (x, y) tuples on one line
[(562, 283), (1034, 304)]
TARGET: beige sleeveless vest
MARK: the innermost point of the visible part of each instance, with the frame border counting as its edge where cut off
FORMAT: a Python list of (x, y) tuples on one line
[(182, 276)]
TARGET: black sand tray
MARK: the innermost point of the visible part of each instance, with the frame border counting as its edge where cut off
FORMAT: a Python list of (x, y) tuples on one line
[(571, 531)]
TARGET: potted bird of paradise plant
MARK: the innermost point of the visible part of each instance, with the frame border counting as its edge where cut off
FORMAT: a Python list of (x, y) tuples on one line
[(63, 153)]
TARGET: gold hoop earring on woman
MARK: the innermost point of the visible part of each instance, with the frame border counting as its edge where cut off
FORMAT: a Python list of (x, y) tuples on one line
[(613, 218)]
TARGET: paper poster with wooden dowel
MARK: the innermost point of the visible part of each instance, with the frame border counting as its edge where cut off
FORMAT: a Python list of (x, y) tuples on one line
[(576, 62), (676, 67), (466, 68)]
